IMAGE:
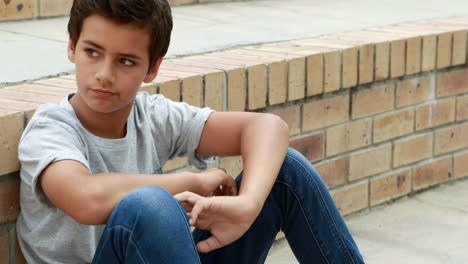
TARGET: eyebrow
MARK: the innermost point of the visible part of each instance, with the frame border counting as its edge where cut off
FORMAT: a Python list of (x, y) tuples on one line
[(128, 55)]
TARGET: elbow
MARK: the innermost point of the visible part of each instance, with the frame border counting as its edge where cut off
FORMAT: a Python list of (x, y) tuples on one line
[(279, 126)]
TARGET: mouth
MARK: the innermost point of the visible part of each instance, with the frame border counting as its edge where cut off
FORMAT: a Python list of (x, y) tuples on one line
[(103, 93)]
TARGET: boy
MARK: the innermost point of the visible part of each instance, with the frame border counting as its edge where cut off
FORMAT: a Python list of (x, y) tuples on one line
[(89, 193)]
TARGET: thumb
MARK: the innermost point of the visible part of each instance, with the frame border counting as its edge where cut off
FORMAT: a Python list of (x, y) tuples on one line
[(209, 244)]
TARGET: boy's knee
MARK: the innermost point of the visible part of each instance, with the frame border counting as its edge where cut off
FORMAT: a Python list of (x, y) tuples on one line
[(294, 157), (149, 200)]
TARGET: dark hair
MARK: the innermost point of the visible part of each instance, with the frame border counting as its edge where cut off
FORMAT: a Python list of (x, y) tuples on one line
[(154, 15)]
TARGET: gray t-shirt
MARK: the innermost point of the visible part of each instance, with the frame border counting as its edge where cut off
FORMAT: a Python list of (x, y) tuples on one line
[(157, 130)]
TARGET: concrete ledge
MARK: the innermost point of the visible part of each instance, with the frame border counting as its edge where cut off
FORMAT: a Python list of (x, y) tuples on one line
[(380, 112)]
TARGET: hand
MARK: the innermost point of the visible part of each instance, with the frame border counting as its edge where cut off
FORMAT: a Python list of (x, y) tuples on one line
[(216, 181), (226, 217)]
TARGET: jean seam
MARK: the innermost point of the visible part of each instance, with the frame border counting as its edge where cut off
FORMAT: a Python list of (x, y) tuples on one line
[(130, 238), (303, 213), (184, 214), (325, 205)]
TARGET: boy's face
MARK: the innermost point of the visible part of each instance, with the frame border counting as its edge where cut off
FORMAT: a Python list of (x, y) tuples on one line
[(111, 62)]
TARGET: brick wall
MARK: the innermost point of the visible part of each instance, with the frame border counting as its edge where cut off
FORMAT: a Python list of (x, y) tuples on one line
[(27, 9), (381, 113)]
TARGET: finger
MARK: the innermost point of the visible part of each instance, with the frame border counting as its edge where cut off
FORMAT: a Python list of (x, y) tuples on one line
[(187, 197), (197, 209), (209, 244)]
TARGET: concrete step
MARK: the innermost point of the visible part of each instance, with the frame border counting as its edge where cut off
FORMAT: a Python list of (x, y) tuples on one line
[(428, 228)]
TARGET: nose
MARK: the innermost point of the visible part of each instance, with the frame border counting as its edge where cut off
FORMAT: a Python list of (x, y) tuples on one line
[(105, 74)]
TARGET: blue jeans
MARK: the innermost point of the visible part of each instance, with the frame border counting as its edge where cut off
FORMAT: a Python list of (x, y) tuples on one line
[(150, 226)]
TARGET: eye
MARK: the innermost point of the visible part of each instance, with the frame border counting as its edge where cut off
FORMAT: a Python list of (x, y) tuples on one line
[(127, 62), (91, 53)]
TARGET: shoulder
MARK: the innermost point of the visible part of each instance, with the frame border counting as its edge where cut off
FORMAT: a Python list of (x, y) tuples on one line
[(51, 120), (53, 115)]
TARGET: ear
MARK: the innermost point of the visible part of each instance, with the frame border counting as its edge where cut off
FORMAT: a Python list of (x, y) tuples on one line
[(151, 75), (71, 51)]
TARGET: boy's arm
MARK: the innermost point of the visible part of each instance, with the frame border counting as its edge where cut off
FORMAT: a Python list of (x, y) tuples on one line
[(262, 140), (90, 198)]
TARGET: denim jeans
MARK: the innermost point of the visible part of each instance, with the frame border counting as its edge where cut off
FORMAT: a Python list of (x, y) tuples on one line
[(150, 226)]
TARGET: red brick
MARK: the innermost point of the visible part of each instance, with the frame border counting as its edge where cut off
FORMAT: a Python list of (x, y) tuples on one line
[(432, 173), (277, 82), (429, 50), (459, 48), (149, 88), (257, 87), (296, 79), (452, 82), (460, 165), (11, 128), (462, 108), (59, 82), (350, 67), (352, 198), (9, 9), (42, 89), (397, 58), (170, 65), (192, 91), (170, 89), (413, 55), (444, 50), (382, 61), (393, 125), (369, 162), (325, 112), (366, 64), (9, 198), (413, 91), (292, 116), (236, 89), (372, 101), (435, 114), (29, 97), (348, 137), (315, 66), (214, 91), (332, 69), (333, 172), (412, 149), (26, 107), (451, 139), (389, 187), (310, 146), (49, 8)]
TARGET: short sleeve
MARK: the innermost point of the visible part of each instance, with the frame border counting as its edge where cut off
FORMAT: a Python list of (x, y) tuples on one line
[(177, 128), (46, 141)]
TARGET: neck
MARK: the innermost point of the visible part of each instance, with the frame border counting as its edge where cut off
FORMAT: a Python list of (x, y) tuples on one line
[(105, 125)]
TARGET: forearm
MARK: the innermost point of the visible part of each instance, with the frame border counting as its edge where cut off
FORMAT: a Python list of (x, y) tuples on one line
[(107, 189), (264, 144)]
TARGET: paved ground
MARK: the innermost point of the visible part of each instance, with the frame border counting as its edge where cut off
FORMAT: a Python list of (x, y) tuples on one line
[(37, 48), (427, 228)]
